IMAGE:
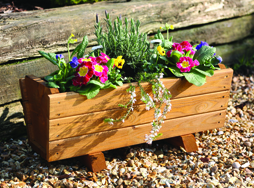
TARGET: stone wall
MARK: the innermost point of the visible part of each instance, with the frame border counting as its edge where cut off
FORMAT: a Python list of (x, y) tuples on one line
[(225, 24)]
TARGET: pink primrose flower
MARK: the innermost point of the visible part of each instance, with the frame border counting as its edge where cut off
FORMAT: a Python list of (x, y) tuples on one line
[(104, 76), (196, 63), (102, 59), (84, 73), (185, 64), (186, 45), (98, 69), (176, 47)]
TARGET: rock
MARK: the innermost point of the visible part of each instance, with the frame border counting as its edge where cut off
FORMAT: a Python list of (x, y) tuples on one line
[(214, 168), (248, 144), (236, 165)]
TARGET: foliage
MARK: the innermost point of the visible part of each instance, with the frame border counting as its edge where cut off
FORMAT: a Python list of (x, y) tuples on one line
[(124, 39), (245, 64), (70, 2), (183, 60)]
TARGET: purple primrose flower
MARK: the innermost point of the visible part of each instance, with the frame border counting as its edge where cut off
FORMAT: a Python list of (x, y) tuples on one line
[(202, 43), (74, 62), (219, 58), (59, 56)]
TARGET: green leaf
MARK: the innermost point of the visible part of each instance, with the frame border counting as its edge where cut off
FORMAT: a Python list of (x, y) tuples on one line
[(49, 56), (195, 77), (204, 54), (80, 49), (166, 44), (49, 78), (176, 71), (52, 85), (204, 70), (164, 58), (70, 77), (175, 56), (120, 83), (110, 64), (96, 82), (90, 91)]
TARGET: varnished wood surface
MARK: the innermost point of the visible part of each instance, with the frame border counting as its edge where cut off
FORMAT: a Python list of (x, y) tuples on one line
[(93, 122), (71, 103), (107, 140), (187, 142)]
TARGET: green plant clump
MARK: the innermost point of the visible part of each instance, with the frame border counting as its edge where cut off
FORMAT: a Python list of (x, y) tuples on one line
[(70, 2)]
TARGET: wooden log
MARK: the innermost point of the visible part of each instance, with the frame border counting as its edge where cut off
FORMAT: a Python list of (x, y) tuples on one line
[(94, 161), (71, 103), (89, 123), (187, 142), (23, 34), (107, 140), (10, 75)]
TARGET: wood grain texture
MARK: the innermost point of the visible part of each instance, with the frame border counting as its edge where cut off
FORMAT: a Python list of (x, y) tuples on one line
[(23, 34), (94, 161), (37, 93), (71, 103), (93, 122), (27, 109), (187, 142), (82, 145)]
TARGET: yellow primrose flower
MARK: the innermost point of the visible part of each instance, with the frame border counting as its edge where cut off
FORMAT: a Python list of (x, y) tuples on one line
[(118, 62), (171, 27), (161, 50), (160, 27), (72, 35)]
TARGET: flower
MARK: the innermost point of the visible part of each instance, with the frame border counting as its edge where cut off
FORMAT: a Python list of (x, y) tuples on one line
[(118, 62), (84, 73), (161, 50), (202, 43), (171, 27), (98, 69), (185, 64), (74, 62), (219, 58), (176, 47), (59, 56), (102, 59)]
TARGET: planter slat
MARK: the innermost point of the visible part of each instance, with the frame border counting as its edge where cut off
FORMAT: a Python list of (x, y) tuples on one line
[(70, 103), (107, 140), (93, 122)]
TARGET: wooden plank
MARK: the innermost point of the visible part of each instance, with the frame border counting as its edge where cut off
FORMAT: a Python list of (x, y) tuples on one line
[(107, 140), (71, 103), (187, 142), (27, 109), (37, 94), (24, 34), (94, 161), (93, 122)]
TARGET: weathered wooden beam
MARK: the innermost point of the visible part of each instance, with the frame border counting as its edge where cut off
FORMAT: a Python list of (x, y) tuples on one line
[(23, 34)]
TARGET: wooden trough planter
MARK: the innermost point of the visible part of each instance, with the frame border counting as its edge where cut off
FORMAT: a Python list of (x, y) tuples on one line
[(66, 125)]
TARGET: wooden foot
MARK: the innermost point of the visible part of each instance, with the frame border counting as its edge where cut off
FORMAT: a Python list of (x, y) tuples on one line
[(187, 142), (95, 161)]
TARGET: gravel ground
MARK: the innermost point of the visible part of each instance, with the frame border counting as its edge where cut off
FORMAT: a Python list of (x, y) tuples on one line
[(225, 158)]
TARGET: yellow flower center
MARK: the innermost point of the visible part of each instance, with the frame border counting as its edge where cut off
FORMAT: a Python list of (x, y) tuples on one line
[(172, 27), (86, 59), (98, 68), (83, 71), (185, 64)]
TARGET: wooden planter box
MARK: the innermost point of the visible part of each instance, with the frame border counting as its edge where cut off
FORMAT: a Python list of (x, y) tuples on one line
[(66, 125)]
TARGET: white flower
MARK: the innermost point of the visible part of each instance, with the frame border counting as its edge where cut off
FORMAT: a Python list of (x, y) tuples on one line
[(156, 41), (97, 47)]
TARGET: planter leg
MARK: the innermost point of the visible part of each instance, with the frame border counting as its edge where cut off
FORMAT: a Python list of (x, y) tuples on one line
[(187, 142), (95, 161)]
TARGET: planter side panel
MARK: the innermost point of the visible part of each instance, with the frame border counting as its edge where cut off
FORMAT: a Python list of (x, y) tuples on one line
[(93, 122), (38, 101), (70, 103), (107, 140)]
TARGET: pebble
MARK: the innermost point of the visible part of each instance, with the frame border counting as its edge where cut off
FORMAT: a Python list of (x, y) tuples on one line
[(236, 165)]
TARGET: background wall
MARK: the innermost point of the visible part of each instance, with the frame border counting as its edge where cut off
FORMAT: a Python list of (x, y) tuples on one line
[(225, 24)]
